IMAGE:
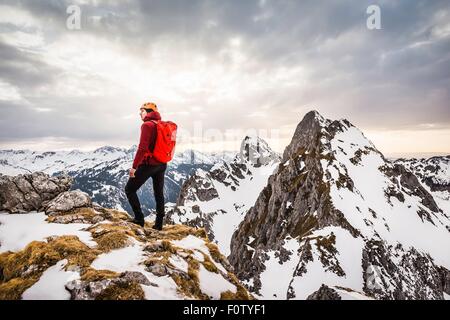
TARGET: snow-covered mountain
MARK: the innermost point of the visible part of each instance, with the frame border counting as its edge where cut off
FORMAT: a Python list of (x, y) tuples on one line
[(103, 173), (62, 246), (330, 219), (434, 173), (336, 219), (218, 199)]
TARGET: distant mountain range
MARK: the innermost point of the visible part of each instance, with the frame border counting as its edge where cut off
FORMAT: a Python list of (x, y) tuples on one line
[(103, 173)]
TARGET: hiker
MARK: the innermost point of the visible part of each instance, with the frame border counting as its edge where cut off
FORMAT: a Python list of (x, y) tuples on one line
[(156, 148)]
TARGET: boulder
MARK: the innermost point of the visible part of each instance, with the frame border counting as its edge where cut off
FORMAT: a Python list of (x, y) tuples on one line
[(30, 192), (67, 201)]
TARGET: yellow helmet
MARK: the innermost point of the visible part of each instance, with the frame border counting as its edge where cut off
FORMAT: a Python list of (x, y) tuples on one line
[(149, 105)]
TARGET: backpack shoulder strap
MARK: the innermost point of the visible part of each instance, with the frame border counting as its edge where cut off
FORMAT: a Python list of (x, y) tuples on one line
[(150, 152)]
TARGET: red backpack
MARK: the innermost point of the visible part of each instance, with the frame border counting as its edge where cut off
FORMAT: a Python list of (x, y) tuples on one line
[(166, 137)]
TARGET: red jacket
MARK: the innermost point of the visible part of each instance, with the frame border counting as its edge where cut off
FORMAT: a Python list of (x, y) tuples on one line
[(147, 140)]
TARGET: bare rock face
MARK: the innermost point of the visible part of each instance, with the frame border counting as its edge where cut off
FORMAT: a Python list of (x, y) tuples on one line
[(417, 276), (91, 290), (324, 293), (67, 201), (29, 192), (198, 187)]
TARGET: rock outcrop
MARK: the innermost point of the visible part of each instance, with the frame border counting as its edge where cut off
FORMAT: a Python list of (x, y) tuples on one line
[(67, 201), (28, 192), (324, 293)]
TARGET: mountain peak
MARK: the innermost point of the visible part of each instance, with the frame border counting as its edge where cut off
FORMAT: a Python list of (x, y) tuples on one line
[(256, 151), (107, 149), (336, 202), (306, 133), (314, 133), (314, 115)]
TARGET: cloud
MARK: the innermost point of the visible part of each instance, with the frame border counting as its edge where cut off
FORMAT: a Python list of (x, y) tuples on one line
[(228, 64)]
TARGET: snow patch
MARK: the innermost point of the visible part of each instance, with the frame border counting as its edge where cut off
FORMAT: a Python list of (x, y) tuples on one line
[(18, 230), (51, 285), (213, 284)]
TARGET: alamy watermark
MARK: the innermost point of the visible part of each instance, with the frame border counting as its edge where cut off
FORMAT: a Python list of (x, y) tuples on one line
[(373, 21), (73, 21), (250, 142)]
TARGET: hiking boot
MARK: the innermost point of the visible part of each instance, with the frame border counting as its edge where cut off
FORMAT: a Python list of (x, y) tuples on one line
[(138, 222), (158, 222)]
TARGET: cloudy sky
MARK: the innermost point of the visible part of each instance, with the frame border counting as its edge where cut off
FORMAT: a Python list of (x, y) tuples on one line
[(221, 69)]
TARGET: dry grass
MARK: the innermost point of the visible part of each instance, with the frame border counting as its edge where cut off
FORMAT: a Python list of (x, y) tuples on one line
[(13, 289), (86, 214), (112, 214), (179, 231), (216, 255), (122, 291), (89, 274), (18, 273), (209, 265), (189, 285), (241, 294), (20, 270), (112, 240), (116, 235)]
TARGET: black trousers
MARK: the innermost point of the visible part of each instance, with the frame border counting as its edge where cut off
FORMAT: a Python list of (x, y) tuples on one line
[(142, 174)]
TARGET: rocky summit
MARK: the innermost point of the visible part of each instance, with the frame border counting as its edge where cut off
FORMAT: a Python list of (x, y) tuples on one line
[(337, 220)]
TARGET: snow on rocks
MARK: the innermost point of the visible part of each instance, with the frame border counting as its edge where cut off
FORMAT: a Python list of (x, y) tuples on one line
[(52, 257)]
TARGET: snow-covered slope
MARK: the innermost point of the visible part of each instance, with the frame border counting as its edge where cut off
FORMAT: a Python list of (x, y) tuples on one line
[(103, 173), (337, 213), (91, 252), (434, 174), (219, 198)]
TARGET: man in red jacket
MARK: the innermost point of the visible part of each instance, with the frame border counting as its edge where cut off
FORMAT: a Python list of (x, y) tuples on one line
[(145, 167)]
